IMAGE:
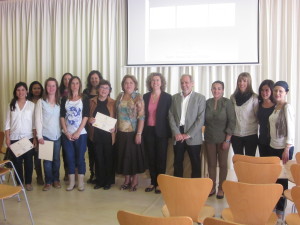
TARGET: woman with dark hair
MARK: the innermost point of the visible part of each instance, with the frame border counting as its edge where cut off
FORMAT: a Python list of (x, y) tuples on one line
[(103, 140), (36, 91), (157, 129), (47, 124), (282, 132), (93, 81), (130, 115), (19, 124), (74, 113), (244, 139), (265, 108), (63, 90)]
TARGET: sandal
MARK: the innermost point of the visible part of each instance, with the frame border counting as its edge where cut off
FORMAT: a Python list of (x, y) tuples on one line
[(150, 188), (125, 186), (213, 191), (133, 188), (220, 194)]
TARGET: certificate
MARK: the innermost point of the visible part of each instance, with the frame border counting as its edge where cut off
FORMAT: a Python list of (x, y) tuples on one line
[(104, 122), (46, 150), (20, 147)]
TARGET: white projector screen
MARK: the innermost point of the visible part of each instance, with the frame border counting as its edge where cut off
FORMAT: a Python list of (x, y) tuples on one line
[(192, 32)]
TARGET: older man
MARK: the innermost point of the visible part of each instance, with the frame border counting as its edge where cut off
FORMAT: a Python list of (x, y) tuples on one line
[(186, 118)]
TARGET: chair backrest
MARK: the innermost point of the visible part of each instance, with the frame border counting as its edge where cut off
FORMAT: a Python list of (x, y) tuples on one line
[(1, 138), (217, 221), (251, 203), (129, 218), (295, 171), (257, 173), (296, 197), (258, 160), (184, 196), (297, 156)]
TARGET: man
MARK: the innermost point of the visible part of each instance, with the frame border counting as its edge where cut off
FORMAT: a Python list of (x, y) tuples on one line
[(186, 118)]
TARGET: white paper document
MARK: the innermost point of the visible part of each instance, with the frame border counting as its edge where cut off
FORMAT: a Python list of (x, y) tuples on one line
[(20, 147), (104, 122), (46, 150)]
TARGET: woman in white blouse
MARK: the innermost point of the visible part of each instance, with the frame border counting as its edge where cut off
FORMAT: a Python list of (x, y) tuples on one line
[(47, 122), (19, 124), (74, 113)]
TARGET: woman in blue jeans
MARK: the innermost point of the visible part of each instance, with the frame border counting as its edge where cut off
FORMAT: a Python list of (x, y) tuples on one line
[(47, 124), (74, 113)]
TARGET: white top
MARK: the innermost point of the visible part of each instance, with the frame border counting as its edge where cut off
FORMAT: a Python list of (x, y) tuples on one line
[(74, 111), (20, 122), (280, 143), (184, 104), (47, 120), (246, 120)]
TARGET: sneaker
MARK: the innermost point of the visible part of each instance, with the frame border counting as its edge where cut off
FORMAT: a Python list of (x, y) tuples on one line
[(56, 184), (46, 187), (28, 187)]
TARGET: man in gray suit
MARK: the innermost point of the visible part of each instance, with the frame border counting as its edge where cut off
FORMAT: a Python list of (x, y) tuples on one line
[(186, 118)]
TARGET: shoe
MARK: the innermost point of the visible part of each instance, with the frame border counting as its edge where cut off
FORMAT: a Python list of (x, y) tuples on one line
[(133, 188), (149, 189), (220, 194), (47, 187), (107, 187), (80, 182), (28, 187), (71, 182), (213, 191), (125, 186), (157, 190), (97, 186), (56, 184)]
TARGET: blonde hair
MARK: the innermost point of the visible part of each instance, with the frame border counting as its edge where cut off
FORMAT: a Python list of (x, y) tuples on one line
[(247, 77)]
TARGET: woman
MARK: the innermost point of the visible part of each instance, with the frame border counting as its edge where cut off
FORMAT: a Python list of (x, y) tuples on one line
[(130, 115), (219, 125), (244, 139), (157, 129), (103, 140), (93, 81), (36, 91), (63, 90), (265, 109), (47, 122), (19, 124), (282, 132), (74, 114)]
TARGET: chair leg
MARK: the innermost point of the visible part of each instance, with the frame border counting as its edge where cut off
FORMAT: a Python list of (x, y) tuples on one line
[(28, 207), (3, 209)]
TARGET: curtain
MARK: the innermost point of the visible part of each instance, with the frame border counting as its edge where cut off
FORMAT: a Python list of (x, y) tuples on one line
[(42, 38)]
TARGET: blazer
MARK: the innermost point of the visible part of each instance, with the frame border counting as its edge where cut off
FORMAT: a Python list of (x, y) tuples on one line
[(162, 128), (194, 119)]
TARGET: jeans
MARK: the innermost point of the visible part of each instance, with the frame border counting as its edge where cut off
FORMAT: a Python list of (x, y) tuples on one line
[(75, 151), (51, 168)]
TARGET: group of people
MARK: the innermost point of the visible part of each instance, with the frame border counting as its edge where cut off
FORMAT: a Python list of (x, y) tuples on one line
[(65, 115)]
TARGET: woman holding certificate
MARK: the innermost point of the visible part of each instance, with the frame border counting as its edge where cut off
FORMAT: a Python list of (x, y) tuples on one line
[(74, 113), (47, 124), (19, 124), (103, 140), (130, 115)]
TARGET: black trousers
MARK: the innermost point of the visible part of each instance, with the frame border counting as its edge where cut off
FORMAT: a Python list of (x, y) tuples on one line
[(156, 150), (263, 150), (91, 154), (194, 155), (249, 143)]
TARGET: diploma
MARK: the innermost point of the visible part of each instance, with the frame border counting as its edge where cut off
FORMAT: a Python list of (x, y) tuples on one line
[(20, 147), (104, 122), (46, 150)]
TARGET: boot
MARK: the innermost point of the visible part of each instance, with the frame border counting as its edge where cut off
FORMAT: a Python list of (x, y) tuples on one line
[(71, 182), (80, 182)]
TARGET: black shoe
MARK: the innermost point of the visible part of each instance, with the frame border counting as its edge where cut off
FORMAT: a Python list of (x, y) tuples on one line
[(97, 186), (149, 189), (157, 191), (107, 187)]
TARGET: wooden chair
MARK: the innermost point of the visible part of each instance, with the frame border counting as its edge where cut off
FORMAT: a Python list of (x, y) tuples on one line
[(295, 171), (129, 218), (217, 221), (251, 204), (257, 160), (297, 156), (186, 197), (9, 191), (257, 173), (294, 218)]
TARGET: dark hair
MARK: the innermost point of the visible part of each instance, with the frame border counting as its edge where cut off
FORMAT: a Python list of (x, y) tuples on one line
[(12, 104), (45, 95), (89, 85), (270, 84), (133, 79), (162, 79), (30, 94), (70, 93), (62, 87), (218, 82), (244, 75), (105, 82)]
